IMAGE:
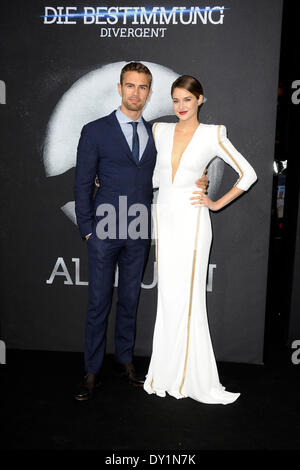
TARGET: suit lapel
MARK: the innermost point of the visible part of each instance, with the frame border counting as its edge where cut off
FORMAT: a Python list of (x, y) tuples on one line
[(149, 130), (120, 137)]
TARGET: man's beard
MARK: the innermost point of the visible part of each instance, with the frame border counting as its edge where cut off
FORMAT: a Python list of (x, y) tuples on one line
[(133, 106)]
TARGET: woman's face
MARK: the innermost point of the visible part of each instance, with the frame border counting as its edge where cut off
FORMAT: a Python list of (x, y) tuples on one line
[(185, 104)]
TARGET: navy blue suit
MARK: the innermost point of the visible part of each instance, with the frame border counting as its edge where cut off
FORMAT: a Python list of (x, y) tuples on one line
[(104, 151)]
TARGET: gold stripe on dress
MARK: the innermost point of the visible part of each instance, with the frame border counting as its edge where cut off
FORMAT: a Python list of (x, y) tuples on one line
[(156, 241), (156, 257), (191, 299), (229, 154), (153, 130)]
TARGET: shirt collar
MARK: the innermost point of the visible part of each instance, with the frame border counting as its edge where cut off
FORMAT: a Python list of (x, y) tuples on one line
[(122, 118)]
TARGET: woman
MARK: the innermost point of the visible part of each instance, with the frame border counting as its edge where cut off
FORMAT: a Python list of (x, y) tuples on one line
[(183, 362)]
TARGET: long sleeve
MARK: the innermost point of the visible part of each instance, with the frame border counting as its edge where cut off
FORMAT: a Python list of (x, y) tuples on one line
[(86, 169), (226, 151)]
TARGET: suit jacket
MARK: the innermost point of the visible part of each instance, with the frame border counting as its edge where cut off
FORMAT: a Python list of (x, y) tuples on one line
[(104, 151)]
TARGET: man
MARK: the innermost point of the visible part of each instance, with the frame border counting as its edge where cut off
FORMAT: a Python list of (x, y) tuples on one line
[(120, 151)]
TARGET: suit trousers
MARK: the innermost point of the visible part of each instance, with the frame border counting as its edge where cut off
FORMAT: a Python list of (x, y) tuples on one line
[(103, 255)]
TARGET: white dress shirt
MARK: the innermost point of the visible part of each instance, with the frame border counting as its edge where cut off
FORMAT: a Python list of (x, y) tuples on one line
[(128, 130)]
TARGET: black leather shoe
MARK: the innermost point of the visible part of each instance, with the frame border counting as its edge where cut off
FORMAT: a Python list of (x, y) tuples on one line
[(87, 388), (127, 371)]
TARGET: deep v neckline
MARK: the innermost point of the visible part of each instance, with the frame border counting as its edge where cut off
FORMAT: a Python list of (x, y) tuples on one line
[(172, 147)]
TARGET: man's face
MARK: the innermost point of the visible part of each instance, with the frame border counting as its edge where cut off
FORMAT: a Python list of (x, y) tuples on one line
[(134, 90)]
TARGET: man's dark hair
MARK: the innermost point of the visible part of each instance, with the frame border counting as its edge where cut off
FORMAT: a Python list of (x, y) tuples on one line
[(136, 67)]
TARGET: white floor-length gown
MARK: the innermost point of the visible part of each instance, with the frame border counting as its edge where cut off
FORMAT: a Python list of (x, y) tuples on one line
[(183, 362)]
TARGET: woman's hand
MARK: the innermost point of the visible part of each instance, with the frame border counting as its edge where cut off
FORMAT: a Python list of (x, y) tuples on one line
[(204, 200)]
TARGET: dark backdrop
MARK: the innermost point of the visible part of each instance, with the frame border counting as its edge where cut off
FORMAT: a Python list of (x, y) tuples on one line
[(237, 63)]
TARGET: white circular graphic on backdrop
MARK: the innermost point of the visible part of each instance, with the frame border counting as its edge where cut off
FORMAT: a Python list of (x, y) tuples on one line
[(93, 96)]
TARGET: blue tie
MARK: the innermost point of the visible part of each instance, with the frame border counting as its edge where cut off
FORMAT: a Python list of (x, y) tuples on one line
[(135, 143)]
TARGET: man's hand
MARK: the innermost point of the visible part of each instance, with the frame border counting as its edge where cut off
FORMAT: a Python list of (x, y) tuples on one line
[(202, 184)]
